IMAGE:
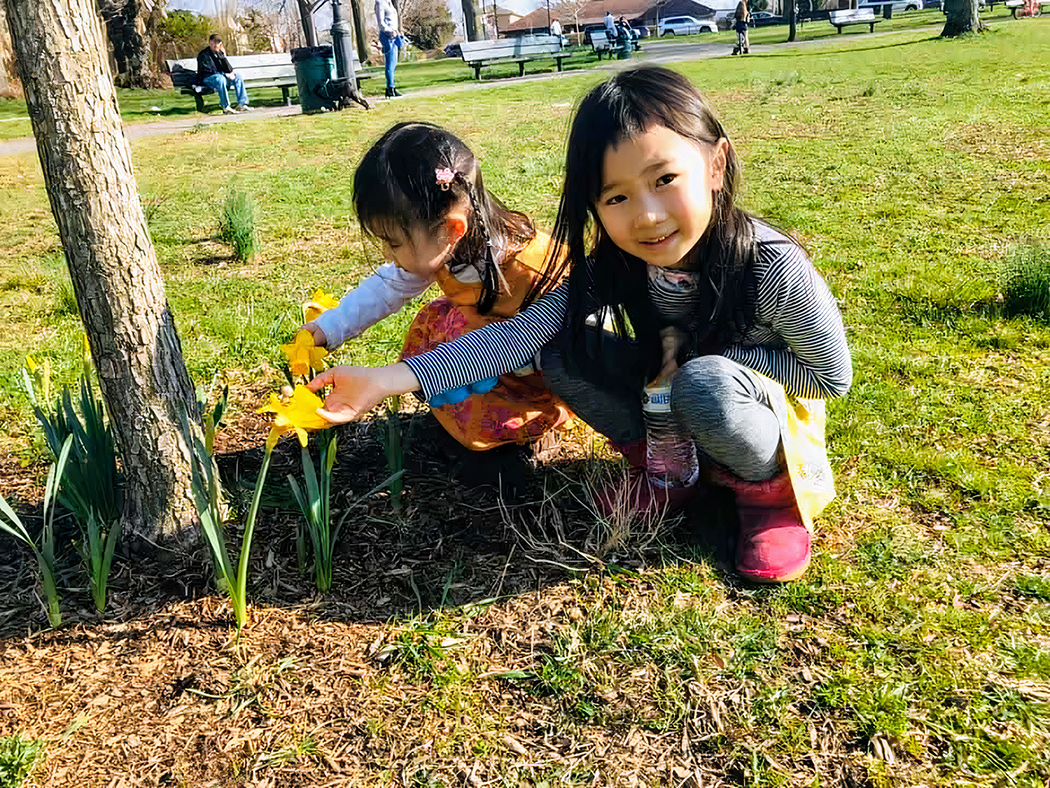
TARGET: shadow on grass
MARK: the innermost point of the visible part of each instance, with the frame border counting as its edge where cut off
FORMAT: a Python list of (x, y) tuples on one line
[(450, 545)]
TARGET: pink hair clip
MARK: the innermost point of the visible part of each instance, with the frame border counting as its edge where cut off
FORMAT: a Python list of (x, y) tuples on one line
[(444, 176)]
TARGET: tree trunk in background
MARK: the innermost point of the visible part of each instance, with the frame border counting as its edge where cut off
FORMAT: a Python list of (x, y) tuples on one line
[(306, 18), (470, 22), (792, 19), (9, 85), (960, 17), (86, 163), (360, 31), (125, 25)]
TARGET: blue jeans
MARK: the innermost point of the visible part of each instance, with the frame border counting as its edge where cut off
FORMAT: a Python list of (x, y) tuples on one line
[(390, 53), (218, 82)]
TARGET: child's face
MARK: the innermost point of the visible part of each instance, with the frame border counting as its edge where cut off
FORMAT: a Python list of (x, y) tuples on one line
[(656, 198), (420, 252)]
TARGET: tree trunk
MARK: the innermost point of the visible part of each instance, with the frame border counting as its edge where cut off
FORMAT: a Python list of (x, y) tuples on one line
[(470, 22), (960, 17), (86, 163), (360, 32), (9, 87), (306, 17), (792, 19), (125, 26)]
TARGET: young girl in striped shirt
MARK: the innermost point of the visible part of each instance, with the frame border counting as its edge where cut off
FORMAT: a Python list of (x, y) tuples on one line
[(697, 291)]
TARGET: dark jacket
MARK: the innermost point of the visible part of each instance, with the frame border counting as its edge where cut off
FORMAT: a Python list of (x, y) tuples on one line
[(209, 63)]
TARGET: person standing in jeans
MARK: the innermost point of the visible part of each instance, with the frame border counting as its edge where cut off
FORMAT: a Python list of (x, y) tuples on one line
[(214, 71), (389, 36)]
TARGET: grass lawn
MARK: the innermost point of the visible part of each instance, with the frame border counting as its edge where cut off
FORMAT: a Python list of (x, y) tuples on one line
[(916, 650)]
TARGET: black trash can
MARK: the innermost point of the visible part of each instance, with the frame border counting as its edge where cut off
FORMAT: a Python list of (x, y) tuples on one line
[(313, 71)]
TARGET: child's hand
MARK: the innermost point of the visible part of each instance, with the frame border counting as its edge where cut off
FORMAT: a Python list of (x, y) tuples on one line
[(356, 390), (320, 339)]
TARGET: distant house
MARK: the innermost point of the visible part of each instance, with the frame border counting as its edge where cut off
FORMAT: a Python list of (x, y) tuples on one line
[(637, 12)]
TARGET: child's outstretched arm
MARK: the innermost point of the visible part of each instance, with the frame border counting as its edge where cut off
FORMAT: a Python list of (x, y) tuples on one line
[(488, 352), (380, 295)]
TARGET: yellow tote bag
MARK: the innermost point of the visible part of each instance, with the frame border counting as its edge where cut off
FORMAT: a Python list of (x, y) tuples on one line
[(802, 424)]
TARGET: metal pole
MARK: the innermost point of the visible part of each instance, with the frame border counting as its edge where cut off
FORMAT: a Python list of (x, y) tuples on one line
[(342, 44), (495, 17), (548, 15)]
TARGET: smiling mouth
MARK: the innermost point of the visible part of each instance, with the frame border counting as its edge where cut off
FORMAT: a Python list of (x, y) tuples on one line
[(660, 240)]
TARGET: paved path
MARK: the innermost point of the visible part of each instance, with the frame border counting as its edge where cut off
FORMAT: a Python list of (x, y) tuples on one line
[(652, 52)]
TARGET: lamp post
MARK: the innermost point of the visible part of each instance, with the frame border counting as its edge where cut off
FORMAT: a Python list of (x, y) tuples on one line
[(495, 17), (548, 15), (342, 44)]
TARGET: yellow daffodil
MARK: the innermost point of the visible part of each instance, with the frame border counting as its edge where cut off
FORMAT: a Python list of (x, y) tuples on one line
[(30, 363), (319, 303), (303, 355), (298, 415)]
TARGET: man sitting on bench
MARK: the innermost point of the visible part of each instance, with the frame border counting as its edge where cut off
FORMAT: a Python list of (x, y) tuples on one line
[(214, 71)]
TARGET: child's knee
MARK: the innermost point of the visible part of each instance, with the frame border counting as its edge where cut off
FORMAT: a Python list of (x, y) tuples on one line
[(703, 388)]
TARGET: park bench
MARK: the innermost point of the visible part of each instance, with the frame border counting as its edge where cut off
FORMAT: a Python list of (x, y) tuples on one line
[(853, 16), (600, 43), (479, 54), (257, 71)]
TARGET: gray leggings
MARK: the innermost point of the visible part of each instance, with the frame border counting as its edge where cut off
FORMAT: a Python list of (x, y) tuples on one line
[(720, 402)]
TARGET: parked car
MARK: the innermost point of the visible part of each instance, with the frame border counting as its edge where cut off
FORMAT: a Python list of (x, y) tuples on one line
[(641, 30), (763, 18), (934, 4), (454, 50), (684, 26)]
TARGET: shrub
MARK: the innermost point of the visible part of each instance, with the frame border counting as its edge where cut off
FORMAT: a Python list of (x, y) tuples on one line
[(17, 758), (237, 226), (1026, 283)]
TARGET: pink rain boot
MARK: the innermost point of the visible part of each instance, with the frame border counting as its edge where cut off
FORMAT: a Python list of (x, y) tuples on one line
[(642, 496), (773, 545)]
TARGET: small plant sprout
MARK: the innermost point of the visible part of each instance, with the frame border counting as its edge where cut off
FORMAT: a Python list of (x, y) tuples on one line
[(91, 486), (237, 225), (298, 415), (1026, 283), (11, 524), (315, 504), (303, 356)]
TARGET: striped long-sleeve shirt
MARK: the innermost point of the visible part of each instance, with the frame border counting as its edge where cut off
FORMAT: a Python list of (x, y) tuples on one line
[(797, 339)]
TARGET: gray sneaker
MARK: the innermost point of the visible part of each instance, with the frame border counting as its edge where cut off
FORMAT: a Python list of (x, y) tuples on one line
[(243, 108)]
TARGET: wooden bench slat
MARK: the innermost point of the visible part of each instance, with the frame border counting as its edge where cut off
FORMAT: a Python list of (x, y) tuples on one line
[(479, 54)]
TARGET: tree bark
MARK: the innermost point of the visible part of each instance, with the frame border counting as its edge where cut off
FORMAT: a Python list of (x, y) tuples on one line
[(792, 19), (86, 163), (470, 22), (360, 32), (960, 17), (125, 26), (9, 86), (306, 17)]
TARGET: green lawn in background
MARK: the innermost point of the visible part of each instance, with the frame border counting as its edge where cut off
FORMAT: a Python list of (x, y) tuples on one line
[(911, 168), (151, 105)]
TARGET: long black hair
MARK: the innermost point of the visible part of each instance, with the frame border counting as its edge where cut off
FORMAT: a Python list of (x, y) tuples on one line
[(629, 104), (396, 189)]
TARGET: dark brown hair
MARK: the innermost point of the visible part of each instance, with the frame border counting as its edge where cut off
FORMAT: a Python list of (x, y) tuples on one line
[(627, 105), (396, 189)]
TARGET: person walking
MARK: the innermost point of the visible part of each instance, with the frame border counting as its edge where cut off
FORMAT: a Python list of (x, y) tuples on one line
[(389, 41), (741, 20)]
